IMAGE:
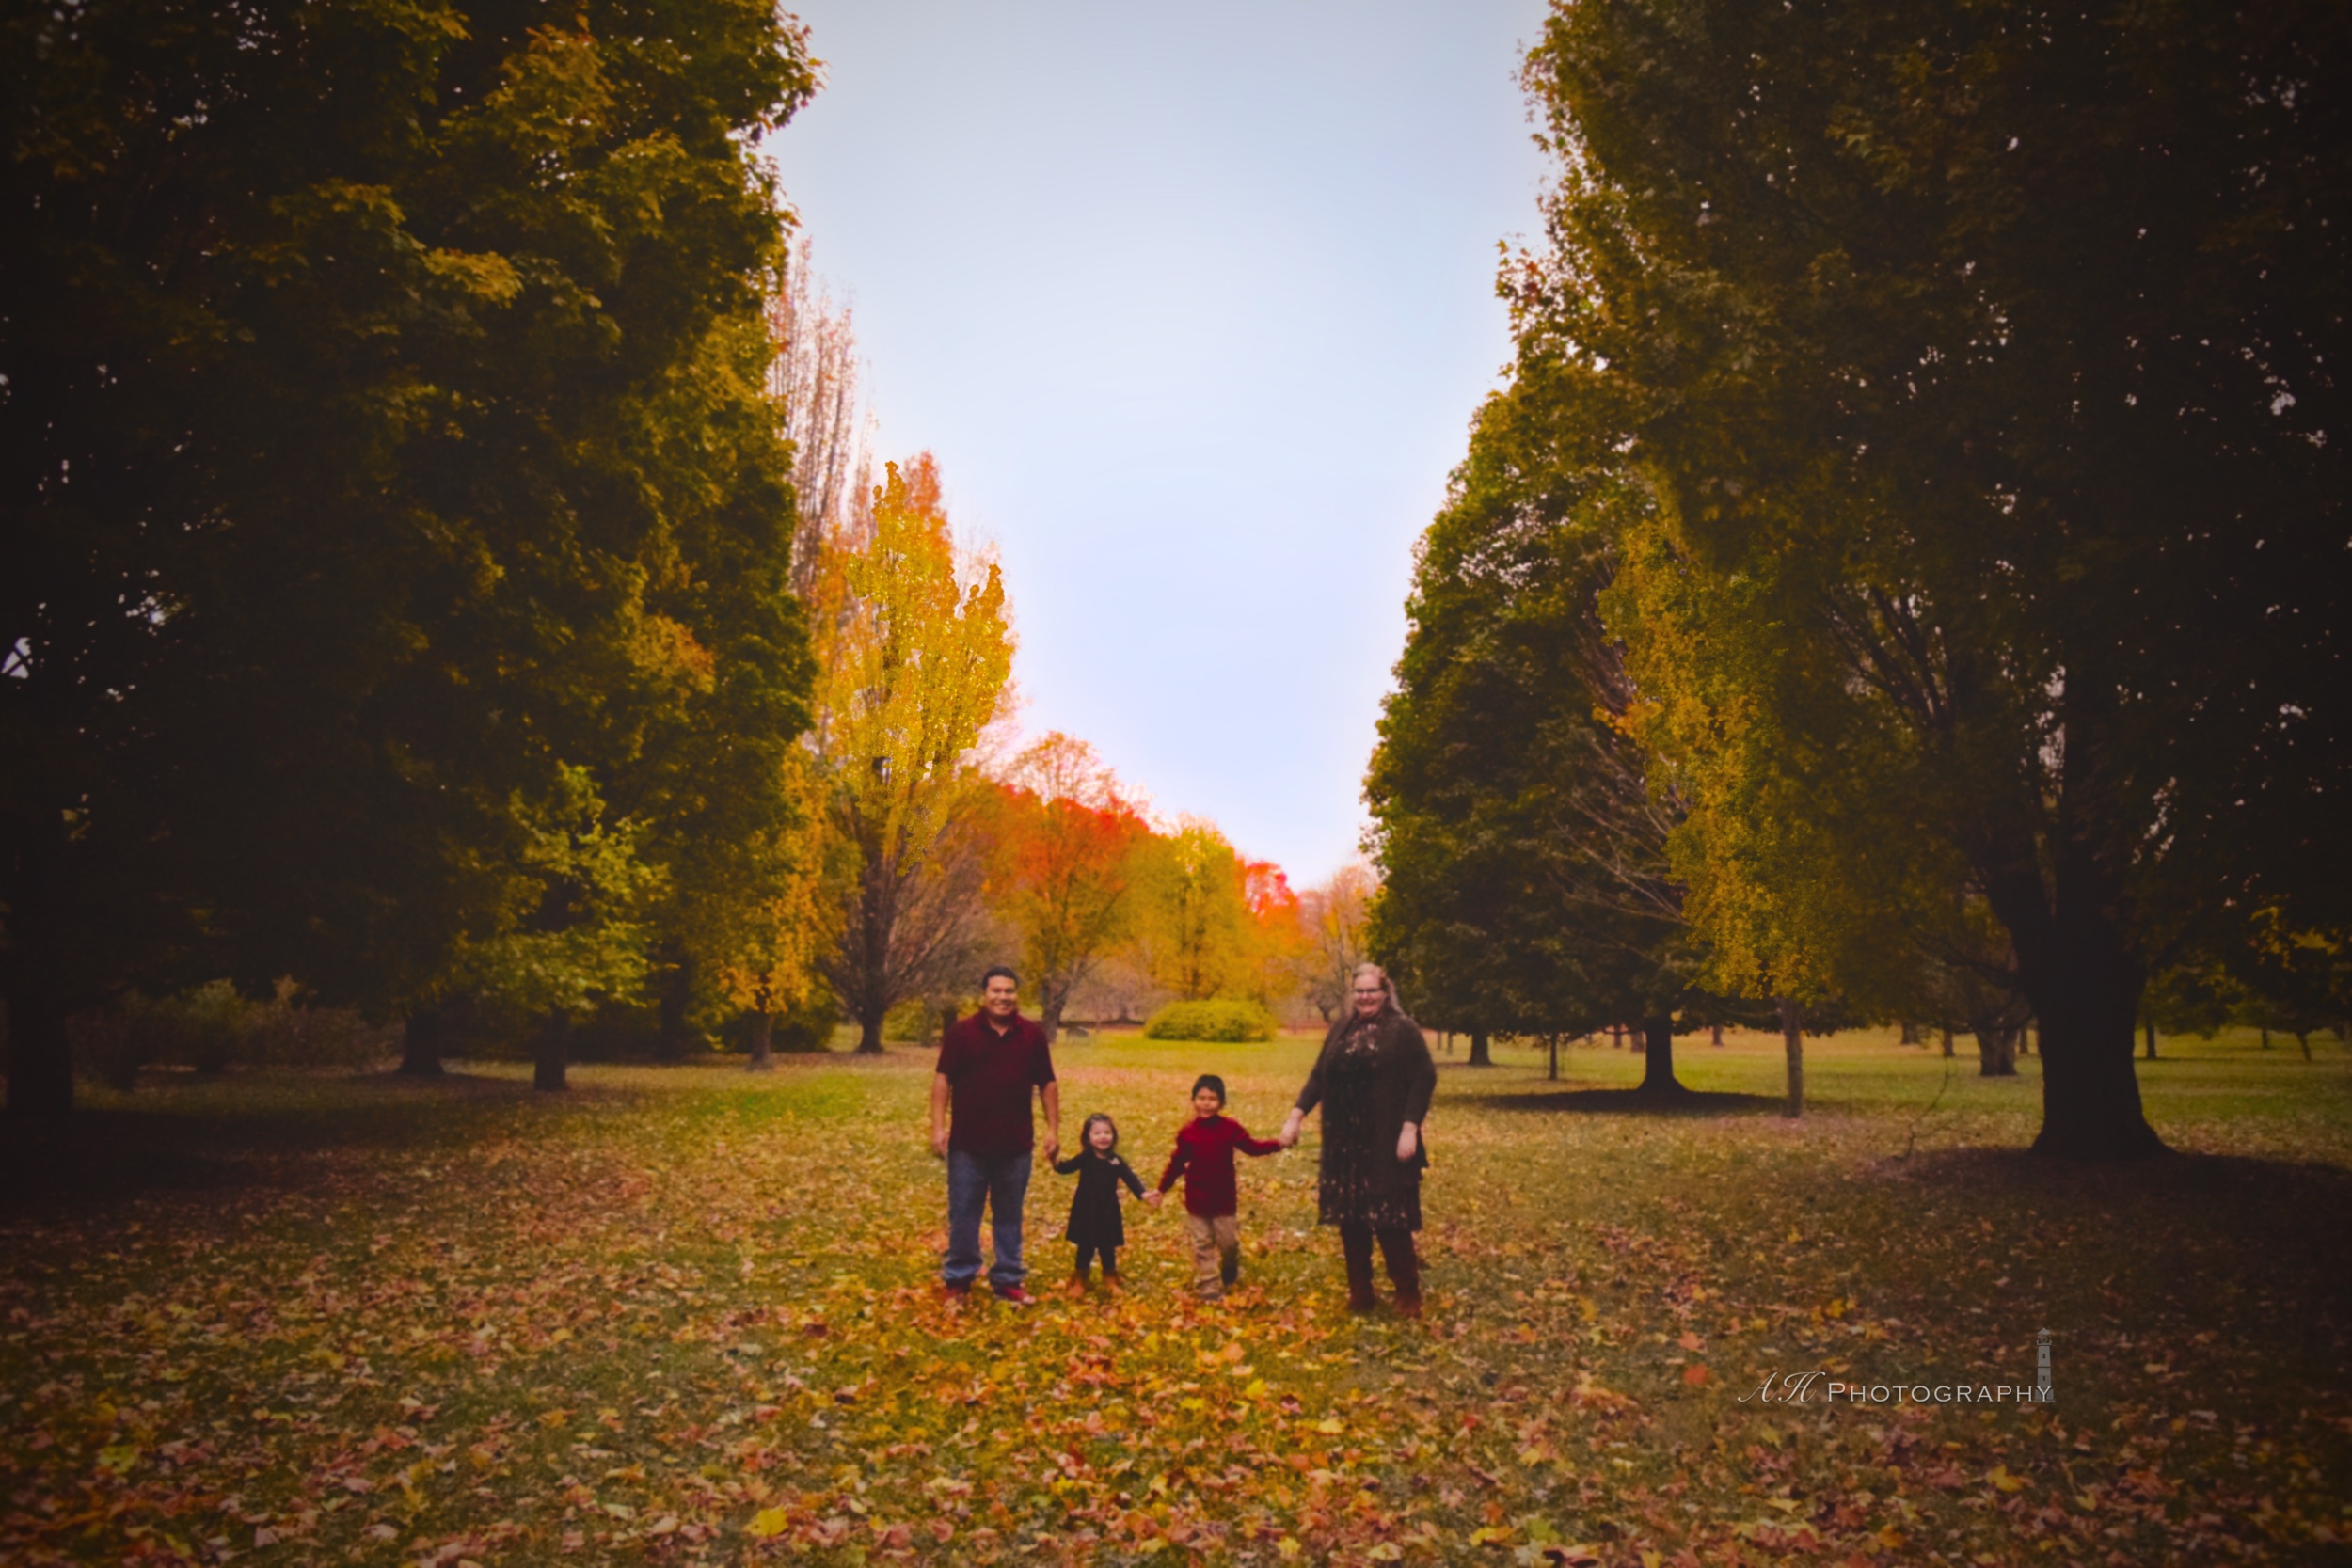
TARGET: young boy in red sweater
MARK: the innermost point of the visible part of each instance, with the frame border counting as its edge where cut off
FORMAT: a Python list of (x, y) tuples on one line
[(1204, 1158)]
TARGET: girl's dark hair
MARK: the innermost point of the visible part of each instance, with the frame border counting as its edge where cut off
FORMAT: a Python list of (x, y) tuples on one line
[(1085, 1133)]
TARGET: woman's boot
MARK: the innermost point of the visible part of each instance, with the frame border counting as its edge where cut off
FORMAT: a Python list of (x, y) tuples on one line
[(1396, 1250)]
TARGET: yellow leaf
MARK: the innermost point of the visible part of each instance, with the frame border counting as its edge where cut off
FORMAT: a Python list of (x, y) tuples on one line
[(1332, 1425), (2000, 1476), (767, 1523)]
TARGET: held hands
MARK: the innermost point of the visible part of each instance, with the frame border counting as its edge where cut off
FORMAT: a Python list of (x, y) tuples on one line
[(1153, 1198), (1288, 1136), (1053, 1145), (1408, 1141)]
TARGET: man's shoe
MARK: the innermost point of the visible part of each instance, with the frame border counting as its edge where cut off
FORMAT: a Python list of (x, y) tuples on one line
[(1408, 1307), (1013, 1295), (1362, 1302)]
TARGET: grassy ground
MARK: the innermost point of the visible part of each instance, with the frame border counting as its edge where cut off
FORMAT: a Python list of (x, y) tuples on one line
[(687, 1315)]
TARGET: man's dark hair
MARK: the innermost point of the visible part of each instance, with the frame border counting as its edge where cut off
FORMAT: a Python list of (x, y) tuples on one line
[(993, 971)]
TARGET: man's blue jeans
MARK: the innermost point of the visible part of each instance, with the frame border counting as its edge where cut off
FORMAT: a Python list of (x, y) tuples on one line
[(1001, 1183)]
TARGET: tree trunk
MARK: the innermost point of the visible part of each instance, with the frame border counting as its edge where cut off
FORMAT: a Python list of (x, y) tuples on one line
[(1616, 1036), (2303, 1039), (551, 1054), (763, 1043), (2081, 980), (1716, 1030), (869, 1031), (2265, 1037), (421, 1043), (1551, 1042), (1948, 1039), (41, 1053), (2152, 1040), (1480, 1055), (33, 967), (1658, 1057), (1910, 1034), (1050, 1005), (1793, 1047), (1996, 1051), (677, 995)]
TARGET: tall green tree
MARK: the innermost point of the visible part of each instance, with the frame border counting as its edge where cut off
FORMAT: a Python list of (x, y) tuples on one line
[(363, 472), (1982, 365), (1524, 882)]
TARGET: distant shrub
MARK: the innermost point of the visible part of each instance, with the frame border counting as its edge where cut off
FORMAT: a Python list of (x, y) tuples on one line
[(1210, 1021), (213, 1028)]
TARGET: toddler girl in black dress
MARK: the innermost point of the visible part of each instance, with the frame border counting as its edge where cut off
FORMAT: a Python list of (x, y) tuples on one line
[(1095, 1223)]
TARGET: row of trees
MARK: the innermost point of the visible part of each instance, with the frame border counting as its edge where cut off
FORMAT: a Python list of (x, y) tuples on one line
[(1901, 574)]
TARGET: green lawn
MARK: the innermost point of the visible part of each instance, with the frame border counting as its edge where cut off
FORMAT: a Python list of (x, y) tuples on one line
[(687, 1314)]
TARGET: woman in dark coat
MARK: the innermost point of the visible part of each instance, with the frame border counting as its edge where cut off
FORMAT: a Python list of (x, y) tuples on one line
[(1373, 1080)]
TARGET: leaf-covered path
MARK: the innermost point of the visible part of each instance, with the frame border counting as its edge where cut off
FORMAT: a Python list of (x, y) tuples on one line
[(689, 1315)]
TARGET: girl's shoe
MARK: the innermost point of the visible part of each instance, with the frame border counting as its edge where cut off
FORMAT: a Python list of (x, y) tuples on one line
[(1078, 1286), (1112, 1285)]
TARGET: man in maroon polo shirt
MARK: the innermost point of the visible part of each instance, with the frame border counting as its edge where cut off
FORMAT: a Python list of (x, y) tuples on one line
[(987, 1064)]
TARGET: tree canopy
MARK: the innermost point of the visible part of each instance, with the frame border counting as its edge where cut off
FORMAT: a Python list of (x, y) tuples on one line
[(1957, 392), (384, 444)]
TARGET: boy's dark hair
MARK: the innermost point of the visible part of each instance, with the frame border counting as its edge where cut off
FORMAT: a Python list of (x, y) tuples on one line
[(1085, 1133), (1210, 1080), (993, 971)]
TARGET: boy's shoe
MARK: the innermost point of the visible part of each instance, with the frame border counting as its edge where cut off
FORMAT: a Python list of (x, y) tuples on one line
[(1013, 1295), (1231, 1271)]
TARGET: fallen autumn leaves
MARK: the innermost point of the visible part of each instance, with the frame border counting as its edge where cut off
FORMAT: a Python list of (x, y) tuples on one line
[(687, 1316)]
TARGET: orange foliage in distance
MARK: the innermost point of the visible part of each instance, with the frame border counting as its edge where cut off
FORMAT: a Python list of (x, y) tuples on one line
[(1063, 866)]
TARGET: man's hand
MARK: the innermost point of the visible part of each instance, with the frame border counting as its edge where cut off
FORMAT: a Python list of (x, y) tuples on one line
[(1288, 1136), (1153, 1198), (939, 1139), (1053, 1146), (1407, 1141)]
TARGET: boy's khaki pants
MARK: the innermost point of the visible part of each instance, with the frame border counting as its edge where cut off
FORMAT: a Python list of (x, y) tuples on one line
[(1216, 1252)]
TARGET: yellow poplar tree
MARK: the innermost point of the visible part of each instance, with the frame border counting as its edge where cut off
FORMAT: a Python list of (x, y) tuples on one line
[(913, 659)]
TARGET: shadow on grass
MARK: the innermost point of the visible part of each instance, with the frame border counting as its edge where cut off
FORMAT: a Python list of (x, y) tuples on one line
[(1633, 1103), (2307, 1192), (180, 1139)]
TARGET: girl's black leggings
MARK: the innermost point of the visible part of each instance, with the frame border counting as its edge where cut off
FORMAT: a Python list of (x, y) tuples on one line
[(1086, 1256)]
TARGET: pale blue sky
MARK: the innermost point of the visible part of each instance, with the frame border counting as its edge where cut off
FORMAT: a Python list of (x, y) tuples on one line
[(1193, 303)]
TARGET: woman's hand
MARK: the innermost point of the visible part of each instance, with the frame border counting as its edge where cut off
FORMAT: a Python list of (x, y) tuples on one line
[(1153, 1198), (1408, 1141), (1288, 1136)]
